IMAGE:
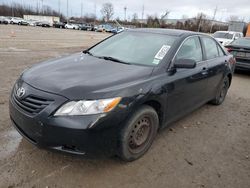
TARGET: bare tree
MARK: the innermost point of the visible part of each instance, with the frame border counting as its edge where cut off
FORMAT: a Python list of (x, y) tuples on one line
[(135, 18), (233, 18), (153, 21), (199, 20), (164, 16), (19, 10), (107, 11)]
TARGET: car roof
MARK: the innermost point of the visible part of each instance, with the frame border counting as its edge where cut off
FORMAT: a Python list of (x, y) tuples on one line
[(172, 32), (230, 32)]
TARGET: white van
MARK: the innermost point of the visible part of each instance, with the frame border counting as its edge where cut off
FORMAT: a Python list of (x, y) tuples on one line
[(226, 37)]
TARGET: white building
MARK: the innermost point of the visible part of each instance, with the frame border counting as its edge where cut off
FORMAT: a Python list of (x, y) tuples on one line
[(49, 19)]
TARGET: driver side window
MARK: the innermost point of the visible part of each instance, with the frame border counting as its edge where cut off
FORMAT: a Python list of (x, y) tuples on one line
[(190, 49)]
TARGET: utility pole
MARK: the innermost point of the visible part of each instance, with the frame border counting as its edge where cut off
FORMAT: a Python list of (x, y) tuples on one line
[(215, 11), (12, 10), (42, 6), (81, 9), (59, 7), (125, 13), (95, 9), (67, 10), (142, 15)]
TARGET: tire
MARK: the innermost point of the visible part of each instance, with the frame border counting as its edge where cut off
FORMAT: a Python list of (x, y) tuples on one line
[(138, 134), (222, 92)]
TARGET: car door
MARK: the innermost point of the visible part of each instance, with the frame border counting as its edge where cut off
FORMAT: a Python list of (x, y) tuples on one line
[(187, 89), (216, 62)]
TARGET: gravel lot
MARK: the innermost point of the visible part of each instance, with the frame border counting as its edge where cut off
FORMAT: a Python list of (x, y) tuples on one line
[(208, 148)]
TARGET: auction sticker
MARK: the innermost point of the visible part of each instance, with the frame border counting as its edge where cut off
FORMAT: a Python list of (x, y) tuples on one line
[(162, 52)]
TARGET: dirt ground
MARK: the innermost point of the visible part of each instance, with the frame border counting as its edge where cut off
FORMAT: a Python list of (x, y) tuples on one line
[(208, 148)]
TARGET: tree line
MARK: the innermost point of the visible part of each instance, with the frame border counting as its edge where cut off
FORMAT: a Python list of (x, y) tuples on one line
[(199, 23), (18, 10)]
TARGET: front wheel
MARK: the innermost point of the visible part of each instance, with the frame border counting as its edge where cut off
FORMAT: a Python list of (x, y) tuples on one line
[(138, 134), (222, 92)]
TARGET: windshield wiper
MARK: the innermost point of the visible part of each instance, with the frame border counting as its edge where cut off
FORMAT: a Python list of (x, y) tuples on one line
[(87, 52), (114, 59)]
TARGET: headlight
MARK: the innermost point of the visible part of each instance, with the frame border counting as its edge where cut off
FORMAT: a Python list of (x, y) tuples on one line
[(87, 107)]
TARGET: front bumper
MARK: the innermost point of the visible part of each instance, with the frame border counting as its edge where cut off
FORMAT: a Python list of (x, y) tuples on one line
[(88, 135)]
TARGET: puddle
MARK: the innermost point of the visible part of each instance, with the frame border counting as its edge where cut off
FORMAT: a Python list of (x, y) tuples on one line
[(9, 141)]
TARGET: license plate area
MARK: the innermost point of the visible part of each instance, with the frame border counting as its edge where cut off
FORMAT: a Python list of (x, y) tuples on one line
[(241, 54)]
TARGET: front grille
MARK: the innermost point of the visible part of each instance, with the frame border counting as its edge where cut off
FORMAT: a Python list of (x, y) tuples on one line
[(31, 104)]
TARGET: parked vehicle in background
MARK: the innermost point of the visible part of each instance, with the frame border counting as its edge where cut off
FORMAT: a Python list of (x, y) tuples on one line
[(86, 27), (60, 25), (16, 20), (237, 26), (226, 37), (248, 30), (117, 30), (8, 19), (43, 24), (104, 28), (95, 27), (71, 26), (32, 22), (240, 48), (24, 22), (83, 26), (113, 98), (3, 20)]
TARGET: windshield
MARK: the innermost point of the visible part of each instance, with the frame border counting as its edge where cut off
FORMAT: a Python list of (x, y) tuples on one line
[(135, 48), (242, 42), (223, 35)]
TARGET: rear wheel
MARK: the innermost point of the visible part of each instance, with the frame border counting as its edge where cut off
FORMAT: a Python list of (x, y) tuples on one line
[(138, 134), (222, 92)]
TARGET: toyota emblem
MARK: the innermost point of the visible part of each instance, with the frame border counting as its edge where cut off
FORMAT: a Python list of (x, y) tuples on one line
[(20, 92)]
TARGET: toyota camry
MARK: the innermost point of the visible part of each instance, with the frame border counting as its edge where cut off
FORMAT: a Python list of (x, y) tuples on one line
[(114, 97)]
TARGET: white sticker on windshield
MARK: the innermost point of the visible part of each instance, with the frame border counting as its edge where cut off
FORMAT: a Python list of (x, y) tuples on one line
[(162, 52)]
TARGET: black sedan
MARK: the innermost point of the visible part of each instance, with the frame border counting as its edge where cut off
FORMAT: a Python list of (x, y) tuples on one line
[(60, 25), (240, 48), (114, 97), (43, 24)]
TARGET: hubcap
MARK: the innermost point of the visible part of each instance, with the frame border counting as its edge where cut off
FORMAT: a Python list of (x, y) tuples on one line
[(223, 90), (139, 134)]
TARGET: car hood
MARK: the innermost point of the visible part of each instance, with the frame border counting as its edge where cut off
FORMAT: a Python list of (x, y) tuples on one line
[(81, 75)]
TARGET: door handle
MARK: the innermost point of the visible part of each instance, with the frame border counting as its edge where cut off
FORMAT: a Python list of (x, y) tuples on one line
[(204, 71), (204, 68)]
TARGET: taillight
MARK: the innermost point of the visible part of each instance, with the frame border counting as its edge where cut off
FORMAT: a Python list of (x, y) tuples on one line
[(229, 49), (232, 61)]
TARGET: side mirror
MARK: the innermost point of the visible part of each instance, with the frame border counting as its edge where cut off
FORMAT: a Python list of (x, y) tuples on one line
[(185, 63), (235, 38)]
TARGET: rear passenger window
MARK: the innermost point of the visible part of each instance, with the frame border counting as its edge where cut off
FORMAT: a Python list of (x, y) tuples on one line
[(191, 49), (221, 53), (210, 48)]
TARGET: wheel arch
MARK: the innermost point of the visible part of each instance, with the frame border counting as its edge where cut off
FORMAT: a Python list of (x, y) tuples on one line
[(230, 78), (157, 107)]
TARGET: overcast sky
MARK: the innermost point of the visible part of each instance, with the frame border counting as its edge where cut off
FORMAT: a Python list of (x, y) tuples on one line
[(240, 8)]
